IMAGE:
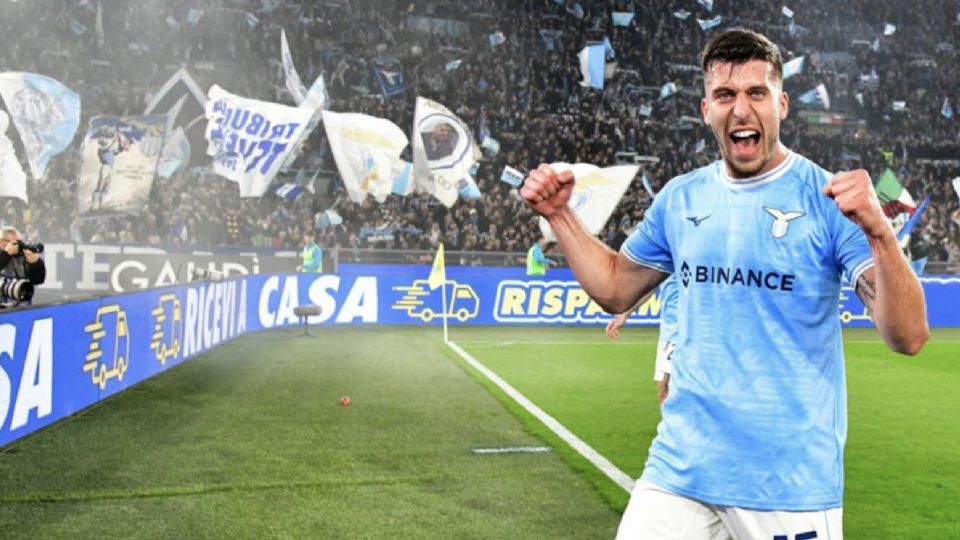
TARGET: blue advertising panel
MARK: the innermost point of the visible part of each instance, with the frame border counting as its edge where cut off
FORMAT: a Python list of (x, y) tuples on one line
[(56, 360)]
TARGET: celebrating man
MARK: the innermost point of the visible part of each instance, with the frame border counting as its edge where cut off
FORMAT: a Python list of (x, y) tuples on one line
[(751, 442)]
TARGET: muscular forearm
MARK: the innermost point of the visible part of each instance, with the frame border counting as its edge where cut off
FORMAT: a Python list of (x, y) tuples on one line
[(597, 268), (899, 308), (593, 263)]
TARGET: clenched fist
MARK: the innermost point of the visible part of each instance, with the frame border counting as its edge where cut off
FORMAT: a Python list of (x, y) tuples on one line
[(854, 194), (547, 191)]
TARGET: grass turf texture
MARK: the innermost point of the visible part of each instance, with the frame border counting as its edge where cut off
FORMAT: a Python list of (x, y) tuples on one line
[(903, 447), (250, 441)]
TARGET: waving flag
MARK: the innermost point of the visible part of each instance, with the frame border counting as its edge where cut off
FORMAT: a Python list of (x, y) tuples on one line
[(511, 176), (816, 97), (622, 18), (793, 67), (250, 139), (667, 90), (956, 186), (592, 65), (787, 12), (946, 110), (294, 84), (13, 181), (45, 112), (367, 151), (893, 196), (119, 162), (889, 29), (288, 191), (391, 82), (709, 23), (443, 151), (495, 39), (595, 193), (914, 219)]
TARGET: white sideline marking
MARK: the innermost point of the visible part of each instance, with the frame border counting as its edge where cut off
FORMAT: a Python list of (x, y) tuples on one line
[(512, 450), (612, 471)]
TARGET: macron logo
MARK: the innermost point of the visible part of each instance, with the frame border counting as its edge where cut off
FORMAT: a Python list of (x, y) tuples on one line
[(698, 220)]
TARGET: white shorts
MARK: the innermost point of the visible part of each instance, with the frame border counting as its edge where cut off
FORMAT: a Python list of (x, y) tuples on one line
[(664, 356), (657, 514)]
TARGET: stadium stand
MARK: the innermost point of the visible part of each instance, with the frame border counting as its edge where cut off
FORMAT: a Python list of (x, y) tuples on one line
[(526, 91)]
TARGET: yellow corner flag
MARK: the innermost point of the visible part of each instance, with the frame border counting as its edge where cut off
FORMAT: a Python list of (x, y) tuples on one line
[(438, 274)]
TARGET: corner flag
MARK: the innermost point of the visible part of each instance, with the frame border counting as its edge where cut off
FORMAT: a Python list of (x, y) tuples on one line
[(439, 273)]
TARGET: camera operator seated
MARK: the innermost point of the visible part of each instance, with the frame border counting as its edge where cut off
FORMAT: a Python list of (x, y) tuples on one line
[(18, 263)]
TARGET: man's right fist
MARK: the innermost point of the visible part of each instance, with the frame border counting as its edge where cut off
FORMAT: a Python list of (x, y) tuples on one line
[(547, 191)]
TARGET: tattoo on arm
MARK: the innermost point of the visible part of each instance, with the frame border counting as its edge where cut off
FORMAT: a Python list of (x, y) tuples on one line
[(867, 291)]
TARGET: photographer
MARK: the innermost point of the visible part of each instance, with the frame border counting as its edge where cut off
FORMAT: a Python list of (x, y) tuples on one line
[(18, 262)]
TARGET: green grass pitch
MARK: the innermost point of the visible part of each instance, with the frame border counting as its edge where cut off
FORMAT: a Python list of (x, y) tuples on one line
[(250, 441)]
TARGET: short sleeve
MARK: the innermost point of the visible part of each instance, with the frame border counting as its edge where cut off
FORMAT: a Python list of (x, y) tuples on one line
[(851, 249), (648, 245)]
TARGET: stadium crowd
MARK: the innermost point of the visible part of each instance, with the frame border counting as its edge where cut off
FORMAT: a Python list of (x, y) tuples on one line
[(525, 91)]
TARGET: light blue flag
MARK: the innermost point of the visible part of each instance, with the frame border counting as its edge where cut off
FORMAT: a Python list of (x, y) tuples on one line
[(707, 4), (403, 182), (608, 49), (647, 186), (710, 23), (668, 90), (793, 67), (496, 38), (816, 97), (511, 176), (490, 144), (914, 219), (77, 28), (622, 18), (592, 65), (252, 20), (946, 110), (682, 14), (45, 112), (645, 110), (451, 66)]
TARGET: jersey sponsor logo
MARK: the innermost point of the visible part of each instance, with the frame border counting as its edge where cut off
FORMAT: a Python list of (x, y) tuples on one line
[(781, 220), (698, 220), (749, 277)]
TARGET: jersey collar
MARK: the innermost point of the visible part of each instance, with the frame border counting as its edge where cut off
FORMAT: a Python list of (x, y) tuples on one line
[(753, 181)]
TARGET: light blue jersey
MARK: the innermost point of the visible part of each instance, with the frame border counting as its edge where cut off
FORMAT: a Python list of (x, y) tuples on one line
[(668, 293), (757, 414)]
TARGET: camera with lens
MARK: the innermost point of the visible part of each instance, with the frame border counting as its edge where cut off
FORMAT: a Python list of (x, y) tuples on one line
[(35, 247), (15, 290)]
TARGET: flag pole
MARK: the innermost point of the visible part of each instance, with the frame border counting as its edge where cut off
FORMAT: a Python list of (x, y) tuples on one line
[(443, 296)]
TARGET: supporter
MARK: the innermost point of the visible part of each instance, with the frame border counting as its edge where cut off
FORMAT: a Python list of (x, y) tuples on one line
[(522, 87)]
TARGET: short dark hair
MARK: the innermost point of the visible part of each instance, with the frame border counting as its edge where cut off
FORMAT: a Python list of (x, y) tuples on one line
[(739, 45)]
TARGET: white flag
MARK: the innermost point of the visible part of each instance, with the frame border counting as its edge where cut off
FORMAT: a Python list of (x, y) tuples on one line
[(956, 186), (250, 139), (787, 12), (443, 151), (13, 181), (889, 29), (596, 193), (367, 151), (294, 84)]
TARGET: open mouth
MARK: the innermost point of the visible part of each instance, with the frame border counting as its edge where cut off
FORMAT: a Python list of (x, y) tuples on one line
[(745, 141)]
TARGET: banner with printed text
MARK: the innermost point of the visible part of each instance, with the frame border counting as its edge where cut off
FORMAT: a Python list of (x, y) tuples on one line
[(250, 139)]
